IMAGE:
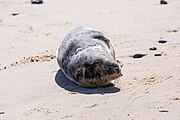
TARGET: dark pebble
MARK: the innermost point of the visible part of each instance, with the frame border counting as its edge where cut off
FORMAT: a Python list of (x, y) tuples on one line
[(174, 30), (15, 13), (36, 1), (32, 60), (176, 98), (157, 54), (163, 2), (139, 55), (153, 48), (162, 41), (163, 111), (1, 112)]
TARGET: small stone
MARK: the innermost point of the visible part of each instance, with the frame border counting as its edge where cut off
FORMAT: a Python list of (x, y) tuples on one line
[(174, 30), (176, 98), (170, 31), (32, 60), (1, 112), (30, 28), (153, 48), (15, 13), (163, 2), (158, 54), (139, 55), (73, 93), (36, 1), (163, 111), (162, 41)]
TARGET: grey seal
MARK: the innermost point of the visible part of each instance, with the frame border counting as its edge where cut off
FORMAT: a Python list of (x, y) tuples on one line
[(87, 57)]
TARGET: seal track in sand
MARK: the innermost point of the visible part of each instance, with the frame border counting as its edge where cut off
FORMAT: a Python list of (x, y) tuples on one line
[(47, 55)]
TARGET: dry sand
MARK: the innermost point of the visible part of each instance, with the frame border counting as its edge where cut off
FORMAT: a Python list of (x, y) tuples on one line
[(33, 88)]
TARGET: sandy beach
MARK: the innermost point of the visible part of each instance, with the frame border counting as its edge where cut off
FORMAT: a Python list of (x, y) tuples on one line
[(32, 86)]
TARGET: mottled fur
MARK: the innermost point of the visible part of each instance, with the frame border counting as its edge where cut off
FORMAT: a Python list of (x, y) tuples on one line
[(87, 57)]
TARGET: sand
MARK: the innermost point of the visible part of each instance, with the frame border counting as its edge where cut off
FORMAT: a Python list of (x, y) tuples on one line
[(33, 88)]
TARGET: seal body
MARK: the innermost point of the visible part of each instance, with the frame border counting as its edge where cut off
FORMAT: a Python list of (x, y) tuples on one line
[(87, 58)]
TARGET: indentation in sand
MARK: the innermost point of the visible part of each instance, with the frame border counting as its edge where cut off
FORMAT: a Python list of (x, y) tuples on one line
[(47, 55)]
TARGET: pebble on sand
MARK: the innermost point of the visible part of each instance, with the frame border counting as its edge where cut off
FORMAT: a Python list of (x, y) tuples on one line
[(162, 41), (153, 48), (15, 13), (36, 1), (158, 54), (1, 112), (163, 111), (170, 31), (139, 55), (163, 2)]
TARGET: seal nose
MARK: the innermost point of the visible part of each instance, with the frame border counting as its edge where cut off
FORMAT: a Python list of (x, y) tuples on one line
[(117, 69), (120, 63)]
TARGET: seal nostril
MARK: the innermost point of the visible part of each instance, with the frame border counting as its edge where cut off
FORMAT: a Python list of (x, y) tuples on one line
[(117, 70)]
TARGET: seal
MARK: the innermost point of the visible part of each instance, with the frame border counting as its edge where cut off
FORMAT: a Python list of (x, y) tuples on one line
[(86, 56)]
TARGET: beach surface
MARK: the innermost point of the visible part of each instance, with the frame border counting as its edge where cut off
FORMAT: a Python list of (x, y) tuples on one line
[(146, 37)]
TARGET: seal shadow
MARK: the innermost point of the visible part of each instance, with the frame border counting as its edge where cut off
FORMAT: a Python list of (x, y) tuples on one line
[(68, 85)]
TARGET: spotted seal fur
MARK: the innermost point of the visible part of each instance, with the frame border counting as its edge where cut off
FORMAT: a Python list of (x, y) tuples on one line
[(86, 56)]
